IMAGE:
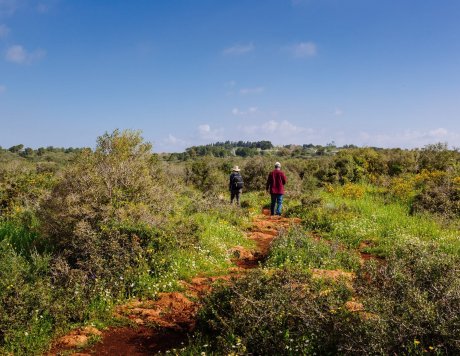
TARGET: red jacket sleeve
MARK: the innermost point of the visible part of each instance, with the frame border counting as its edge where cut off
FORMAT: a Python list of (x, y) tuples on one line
[(269, 181)]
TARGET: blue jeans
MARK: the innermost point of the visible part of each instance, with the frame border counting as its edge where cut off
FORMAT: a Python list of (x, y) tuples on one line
[(235, 195), (277, 199)]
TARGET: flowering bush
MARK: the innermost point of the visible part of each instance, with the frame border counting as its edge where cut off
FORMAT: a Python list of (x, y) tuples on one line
[(352, 191)]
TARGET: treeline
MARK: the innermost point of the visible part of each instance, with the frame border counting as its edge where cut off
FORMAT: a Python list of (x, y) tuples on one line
[(257, 148), (47, 158), (223, 149), (217, 149), (263, 145), (27, 151)]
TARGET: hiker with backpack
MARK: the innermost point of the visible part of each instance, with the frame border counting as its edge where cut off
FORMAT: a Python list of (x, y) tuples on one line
[(235, 185), (275, 186)]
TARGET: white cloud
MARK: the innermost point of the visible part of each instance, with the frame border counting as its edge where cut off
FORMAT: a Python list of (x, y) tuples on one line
[(4, 31), (256, 90), (438, 133), (239, 49), (18, 54), (284, 128), (171, 144), (304, 50), (2, 89), (9, 7), (278, 132), (45, 6), (173, 140), (230, 84), (230, 87), (408, 138), (249, 111), (42, 8), (338, 112), (205, 132), (203, 129), (299, 2)]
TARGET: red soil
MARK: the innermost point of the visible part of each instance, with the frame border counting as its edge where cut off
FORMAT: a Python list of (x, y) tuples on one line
[(165, 323), (138, 341)]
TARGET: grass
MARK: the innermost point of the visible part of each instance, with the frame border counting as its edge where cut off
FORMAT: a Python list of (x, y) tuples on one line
[(410, 301), (203, 251), (197, 243), (370, 221), (209, 256), (301, 250), (20, 236)]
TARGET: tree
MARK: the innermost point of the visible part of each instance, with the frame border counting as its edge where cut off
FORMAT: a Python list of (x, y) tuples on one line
[(16, 149), (436, 157), (98, 214), (27, 152)]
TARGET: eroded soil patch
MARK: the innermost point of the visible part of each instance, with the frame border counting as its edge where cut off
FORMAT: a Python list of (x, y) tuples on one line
[(165, 323)]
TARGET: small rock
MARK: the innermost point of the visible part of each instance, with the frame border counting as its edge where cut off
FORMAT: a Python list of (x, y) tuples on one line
[(139, 321), (90, 330), (354, 306), (73, 341)]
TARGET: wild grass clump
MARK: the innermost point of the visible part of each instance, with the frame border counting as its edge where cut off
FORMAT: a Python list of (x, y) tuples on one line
[(206, 252), (301, 249), (374, 222), (21, 236)]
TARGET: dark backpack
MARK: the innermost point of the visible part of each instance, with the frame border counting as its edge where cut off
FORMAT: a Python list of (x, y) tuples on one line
[(237, 181)]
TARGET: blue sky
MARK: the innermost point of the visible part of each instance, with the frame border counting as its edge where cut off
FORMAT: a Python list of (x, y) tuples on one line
[(366, 72)]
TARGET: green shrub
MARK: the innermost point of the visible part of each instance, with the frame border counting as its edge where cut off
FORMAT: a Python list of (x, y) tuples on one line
[(22, 188), (96, 216), (415, 298), (437, 157), (205, 176), (408, 304), (255, 173), (401, 161), (440, 197), (346, 167), (25, 298), (282, 313)]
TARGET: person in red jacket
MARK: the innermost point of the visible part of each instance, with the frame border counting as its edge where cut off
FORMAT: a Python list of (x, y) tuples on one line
[(275, 186)]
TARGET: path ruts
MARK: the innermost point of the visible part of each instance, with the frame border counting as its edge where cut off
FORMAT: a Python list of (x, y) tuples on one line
[(165, 323)]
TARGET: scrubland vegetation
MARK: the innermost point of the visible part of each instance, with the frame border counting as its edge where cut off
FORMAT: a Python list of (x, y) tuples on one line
[(82, 230)]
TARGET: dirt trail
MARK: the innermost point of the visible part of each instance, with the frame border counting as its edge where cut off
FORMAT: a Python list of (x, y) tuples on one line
[(165, 323)]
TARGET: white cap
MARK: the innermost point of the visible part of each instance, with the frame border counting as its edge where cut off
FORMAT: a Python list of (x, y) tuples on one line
[(278, 165)]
